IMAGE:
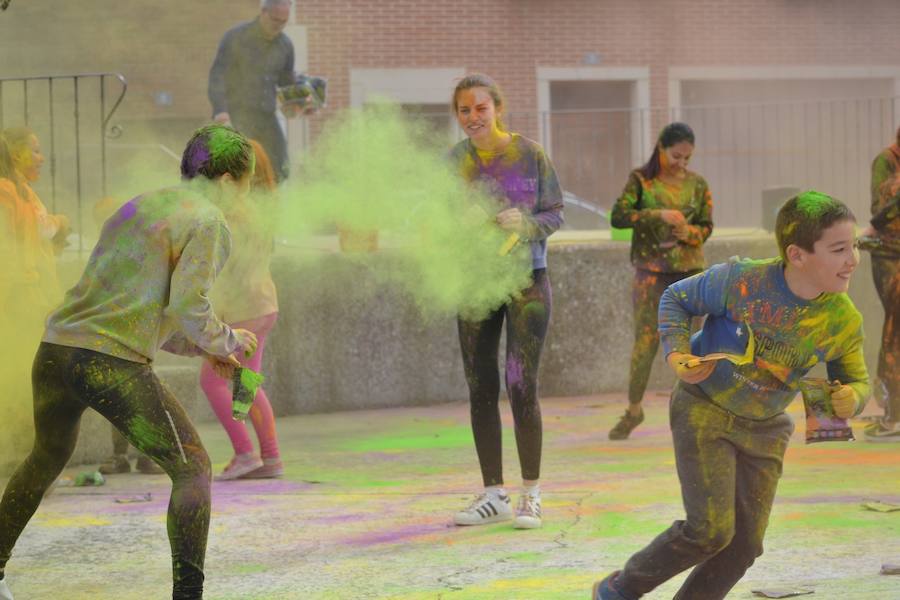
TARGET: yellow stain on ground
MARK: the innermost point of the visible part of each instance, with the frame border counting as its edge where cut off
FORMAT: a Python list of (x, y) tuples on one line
[(562, 584), (70, 521)]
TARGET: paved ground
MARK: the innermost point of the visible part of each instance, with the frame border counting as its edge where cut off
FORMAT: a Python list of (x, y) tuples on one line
[(364, 510)]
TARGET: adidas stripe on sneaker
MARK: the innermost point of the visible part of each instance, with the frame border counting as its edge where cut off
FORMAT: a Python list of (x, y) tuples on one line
[(486, 508)]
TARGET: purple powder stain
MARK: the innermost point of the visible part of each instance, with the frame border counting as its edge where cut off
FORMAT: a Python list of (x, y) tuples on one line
[(198, 156), (270, 487), (346, 518), (128, 211), (513, 372), (396, 536)]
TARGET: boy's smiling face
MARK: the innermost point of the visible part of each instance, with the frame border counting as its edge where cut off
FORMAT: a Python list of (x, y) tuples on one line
[(827, 269)]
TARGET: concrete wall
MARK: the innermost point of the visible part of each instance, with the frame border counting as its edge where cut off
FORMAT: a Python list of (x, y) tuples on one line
[(344, 341)]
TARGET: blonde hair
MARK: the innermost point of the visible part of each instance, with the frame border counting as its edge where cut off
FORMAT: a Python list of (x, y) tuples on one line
[(476, 80), (18, 138)]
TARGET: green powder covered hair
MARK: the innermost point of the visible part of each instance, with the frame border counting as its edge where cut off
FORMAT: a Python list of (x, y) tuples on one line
[(804, 217), (214, 150)]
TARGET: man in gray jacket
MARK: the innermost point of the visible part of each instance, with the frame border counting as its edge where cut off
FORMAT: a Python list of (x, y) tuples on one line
[(253, 59)]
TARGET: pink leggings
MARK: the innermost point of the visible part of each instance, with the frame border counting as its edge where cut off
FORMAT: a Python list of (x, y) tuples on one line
[(218, 392)]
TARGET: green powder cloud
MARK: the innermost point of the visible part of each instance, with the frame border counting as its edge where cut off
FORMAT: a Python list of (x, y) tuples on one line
[(374, 170)]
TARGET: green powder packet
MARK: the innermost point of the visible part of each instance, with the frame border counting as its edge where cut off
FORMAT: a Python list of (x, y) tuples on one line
[(244, 385), (822, 425)]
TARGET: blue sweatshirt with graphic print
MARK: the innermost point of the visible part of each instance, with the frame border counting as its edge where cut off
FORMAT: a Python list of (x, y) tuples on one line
[(751, 297)]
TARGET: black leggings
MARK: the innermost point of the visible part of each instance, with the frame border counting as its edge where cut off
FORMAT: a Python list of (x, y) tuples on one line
[(646, 291), (527, 319), (65, 382)]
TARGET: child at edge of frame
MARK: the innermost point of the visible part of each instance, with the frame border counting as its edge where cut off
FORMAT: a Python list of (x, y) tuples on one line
[(145, 287), (729, 428)]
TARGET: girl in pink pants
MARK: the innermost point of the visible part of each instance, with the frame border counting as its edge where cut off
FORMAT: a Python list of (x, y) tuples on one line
[(246, 464), (244, 296)]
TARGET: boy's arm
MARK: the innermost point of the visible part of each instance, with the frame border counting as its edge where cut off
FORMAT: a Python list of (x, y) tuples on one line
[(703, 294), (179, 344), (201, 260), (850, 369)]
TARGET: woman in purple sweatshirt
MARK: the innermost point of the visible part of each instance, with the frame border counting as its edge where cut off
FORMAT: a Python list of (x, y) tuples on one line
[(517, 172)]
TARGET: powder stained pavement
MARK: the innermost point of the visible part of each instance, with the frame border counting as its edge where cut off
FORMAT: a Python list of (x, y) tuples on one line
[(364, 512)]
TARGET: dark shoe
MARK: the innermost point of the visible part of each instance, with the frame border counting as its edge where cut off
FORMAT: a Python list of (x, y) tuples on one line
[(148, 467), (625, 426), (115, 464), (606, 590)]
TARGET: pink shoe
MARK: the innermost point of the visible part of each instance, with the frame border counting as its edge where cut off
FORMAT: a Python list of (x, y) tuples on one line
[(271, 468), (239, 466)]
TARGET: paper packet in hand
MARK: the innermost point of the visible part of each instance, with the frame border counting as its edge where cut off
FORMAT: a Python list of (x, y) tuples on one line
[(822, 425), (244, 385)]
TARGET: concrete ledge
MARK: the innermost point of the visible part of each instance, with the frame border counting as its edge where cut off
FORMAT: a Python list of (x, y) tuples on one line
[(345, 341)]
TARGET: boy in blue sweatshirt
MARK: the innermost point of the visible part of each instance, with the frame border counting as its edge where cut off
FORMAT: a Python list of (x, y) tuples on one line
[(729, 428)]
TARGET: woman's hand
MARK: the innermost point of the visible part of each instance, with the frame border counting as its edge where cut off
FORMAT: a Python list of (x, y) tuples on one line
[(511, 219), (59, 239), (674, 218), (682, 232), (679, 361), (223, 366)]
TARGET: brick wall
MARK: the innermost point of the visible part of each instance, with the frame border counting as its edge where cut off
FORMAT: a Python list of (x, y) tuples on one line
[(510, 38), (168, 45), (158, 46)]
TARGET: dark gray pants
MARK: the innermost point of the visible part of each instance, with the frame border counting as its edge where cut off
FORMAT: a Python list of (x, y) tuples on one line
[(66, 381), (729, 469)]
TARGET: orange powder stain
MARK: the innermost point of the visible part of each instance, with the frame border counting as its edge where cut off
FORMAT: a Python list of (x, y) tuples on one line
[(838, 456)]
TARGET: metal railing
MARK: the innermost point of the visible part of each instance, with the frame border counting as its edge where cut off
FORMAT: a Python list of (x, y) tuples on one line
[(742, 150), (60, 109)]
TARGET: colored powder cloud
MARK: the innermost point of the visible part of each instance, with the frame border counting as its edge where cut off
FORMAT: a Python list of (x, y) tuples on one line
[(376, 170)]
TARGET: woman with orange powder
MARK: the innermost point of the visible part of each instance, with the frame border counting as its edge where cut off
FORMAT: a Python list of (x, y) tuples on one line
[(37, 232)]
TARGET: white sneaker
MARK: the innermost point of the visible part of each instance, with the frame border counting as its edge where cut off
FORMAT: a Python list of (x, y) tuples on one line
[(240, 465), (486, 508), (5, 594), (528, 512)]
